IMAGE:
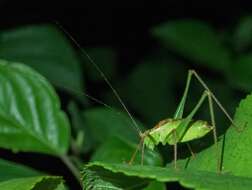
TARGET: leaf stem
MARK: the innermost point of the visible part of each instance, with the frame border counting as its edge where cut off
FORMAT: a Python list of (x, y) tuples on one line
[(66, 160)]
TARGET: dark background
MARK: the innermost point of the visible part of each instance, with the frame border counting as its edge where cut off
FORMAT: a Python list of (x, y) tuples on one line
[(123, 29)]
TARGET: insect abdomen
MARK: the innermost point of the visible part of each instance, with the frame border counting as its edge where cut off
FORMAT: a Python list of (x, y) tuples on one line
[(165, 133)]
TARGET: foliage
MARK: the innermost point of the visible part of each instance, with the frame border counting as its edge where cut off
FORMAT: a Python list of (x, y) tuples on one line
[(198, 173), (14, 176), (69, 125)]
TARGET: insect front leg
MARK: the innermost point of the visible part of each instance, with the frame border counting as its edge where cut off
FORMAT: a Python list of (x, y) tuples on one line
[(139, 146), (142, 154)]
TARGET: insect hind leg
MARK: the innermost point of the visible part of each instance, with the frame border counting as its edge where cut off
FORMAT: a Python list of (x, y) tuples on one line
[(213, 123), (190, 150), (203, 84)]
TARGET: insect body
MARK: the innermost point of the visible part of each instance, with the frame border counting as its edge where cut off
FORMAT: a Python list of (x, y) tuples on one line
[(178, 129), (164, 130), (175, 130)]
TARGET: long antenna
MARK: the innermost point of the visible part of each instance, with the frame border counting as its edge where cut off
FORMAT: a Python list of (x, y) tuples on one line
[(102, 75), (92, 98)]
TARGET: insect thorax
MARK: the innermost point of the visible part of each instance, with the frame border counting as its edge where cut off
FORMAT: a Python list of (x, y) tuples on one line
[(166, 131)]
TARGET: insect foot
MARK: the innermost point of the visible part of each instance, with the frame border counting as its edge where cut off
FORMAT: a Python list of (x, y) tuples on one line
[(139, 146), (176, 167), (242, 128)]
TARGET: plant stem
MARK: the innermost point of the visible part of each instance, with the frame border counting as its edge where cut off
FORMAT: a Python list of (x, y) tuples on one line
[(72, 168)]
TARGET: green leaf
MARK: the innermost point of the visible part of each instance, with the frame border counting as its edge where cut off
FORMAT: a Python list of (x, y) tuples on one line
[(201, 172), (10, 170), (116, 150), (104, 123), (243, 33), (240, 74), (30, 113), (44, 48), (100, 179), (61, 186), (77, 120), (194, 179), (78, 129), (32, 183), (156, 185), (194, 40), (237, 155)]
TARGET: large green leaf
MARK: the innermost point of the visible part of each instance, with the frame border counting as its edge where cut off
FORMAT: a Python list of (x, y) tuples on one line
[(99, 179), (46, 49), (116, 150), (194, 40), (156, 185), (10, 170), (30, 113), (237, 155), (32, 183), (196, 179)]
